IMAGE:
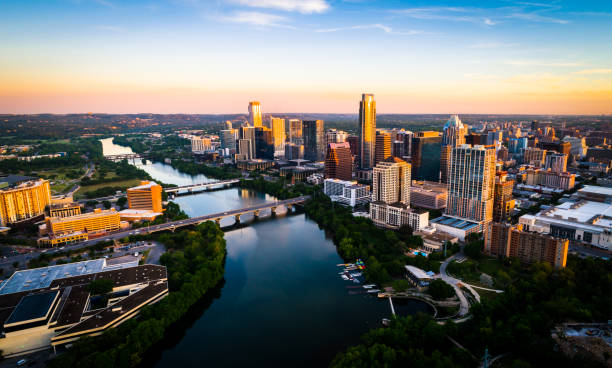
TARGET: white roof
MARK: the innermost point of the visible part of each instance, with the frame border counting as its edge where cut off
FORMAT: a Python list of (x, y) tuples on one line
[(596, 189), (420, 274), (145, 186)]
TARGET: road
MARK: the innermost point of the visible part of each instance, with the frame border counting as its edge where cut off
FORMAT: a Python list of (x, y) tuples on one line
[(464, 307), (151, 229)]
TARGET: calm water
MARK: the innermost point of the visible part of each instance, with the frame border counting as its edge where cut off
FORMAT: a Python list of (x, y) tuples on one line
[(282, 303)]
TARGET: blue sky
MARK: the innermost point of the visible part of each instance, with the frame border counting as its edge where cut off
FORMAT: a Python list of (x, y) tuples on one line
[(310, 55)]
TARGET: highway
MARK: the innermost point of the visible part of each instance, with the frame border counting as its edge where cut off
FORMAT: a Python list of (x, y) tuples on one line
[(173, 225)]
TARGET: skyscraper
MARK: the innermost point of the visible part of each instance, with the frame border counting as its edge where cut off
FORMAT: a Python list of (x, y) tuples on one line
[(390, 205), (228, 124), (229, 137), (367, 130), (295, 131), (425, 156), (248, 133), (470, 183), (255, 114), (338, 161), (313, 133), (264, 143), (453, 135), (278, 135), (382, 149)]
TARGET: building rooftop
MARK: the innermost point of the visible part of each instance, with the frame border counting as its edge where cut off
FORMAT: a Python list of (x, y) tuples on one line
[(11, 180), (417, 272), (582, 211), (597, 190), (454, 222), (144, 185), (32, 307), (39, 278)]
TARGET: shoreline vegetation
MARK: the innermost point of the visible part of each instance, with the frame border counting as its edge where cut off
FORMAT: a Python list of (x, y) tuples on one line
[(195, 260)]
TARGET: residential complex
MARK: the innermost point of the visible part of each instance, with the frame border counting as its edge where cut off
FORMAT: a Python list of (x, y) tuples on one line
[(549, 178), (146, 196), (382, 150), (390, 205), (503, 203), (428, 194), (23, 199), (505, 240), (61, 230), (64, 209), (348, 193), (201, 144)]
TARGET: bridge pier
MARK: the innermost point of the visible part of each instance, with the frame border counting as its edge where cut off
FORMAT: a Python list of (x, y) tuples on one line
[(218, 221), (289, 207), (256, 214), (237, 218), (273, 210)]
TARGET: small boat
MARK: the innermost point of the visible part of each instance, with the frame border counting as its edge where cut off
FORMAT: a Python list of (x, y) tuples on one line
[(373, 291), (369, 286), (356, 274), (344, 277)]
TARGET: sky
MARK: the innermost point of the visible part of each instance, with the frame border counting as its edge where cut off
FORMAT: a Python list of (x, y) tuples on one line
[(318, 56)]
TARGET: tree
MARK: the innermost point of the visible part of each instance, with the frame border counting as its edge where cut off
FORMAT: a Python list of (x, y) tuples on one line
[(401, 285), (100, 286), (121, 202), (473, 249), (106, 204), (439, 289)]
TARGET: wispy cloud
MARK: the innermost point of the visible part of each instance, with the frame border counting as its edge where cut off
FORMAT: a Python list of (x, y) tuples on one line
[(382, 27), (525, 11), (257, 19), (543, 63), (301, 6), (594, 71)]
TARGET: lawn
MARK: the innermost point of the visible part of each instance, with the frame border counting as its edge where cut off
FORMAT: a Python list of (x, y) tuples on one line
[(123, 184)]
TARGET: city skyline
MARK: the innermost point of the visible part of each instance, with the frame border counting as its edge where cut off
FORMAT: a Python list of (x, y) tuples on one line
[(463, 57)]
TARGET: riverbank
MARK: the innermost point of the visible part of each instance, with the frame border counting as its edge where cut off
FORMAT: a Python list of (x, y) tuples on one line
[(195, 264)]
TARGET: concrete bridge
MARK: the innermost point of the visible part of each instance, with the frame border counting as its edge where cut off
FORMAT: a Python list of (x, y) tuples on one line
[(126, 156), (217, 217), (201, 186)]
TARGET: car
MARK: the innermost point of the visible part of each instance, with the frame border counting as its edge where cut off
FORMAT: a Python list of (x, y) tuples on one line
[(61, 248), (21, 362)]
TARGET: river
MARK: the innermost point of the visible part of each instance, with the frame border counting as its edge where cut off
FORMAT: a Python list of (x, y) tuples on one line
[(282, 303)]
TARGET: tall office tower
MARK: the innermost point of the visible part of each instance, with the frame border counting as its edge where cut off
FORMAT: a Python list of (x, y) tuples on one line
[(313, 133), (453, 135), (506, 240), (338, 161), (470, 183), (367, 131), (556, 162), (278, 135), (382, 150), (503, 155), (425, 156), (255, 114), (294, 151), (534, 156), (405, 137), (503, 204), (335, 136), (248, 133), (228, 124), (22, 200), (264, 143), (229, 138), (535, 125), (390, 205), (146, 196), (517, 145), (245, 149), (558, 146), (353, 141), (295, 131)]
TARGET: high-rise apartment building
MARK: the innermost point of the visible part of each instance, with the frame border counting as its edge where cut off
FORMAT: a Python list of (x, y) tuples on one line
[(255, 118), (402, 146), (146, 196), (505, 240), (245, 149), (503, 203), (264, 143), (471, 181), (97, 221), (390, 205), (335, 136), (353, 141), (295, 131), (556, 162), (313, 133), (278, 136), (200, 144), (549, 178), (338, 161), (534, 156), (23, 200), (382, 149), (367, 130), (247, 133), (453, 135), (294, 151), (559, 146), (64, 209)]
